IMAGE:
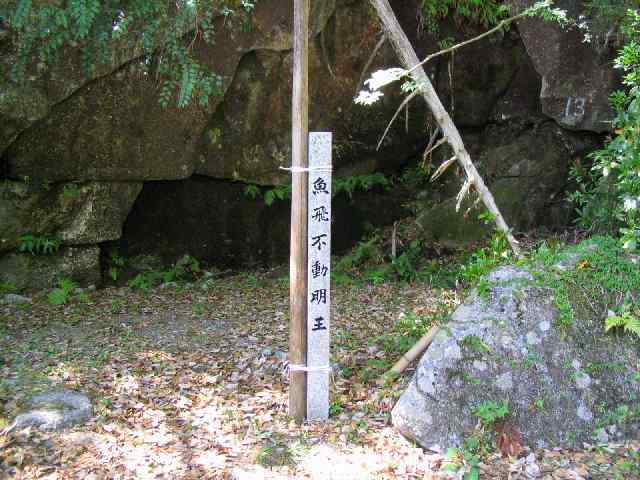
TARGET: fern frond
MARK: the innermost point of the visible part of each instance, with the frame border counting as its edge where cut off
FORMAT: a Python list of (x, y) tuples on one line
[(633, 325), (613, 322)]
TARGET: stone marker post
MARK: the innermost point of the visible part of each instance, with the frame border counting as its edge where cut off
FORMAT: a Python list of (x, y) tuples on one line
[(318, 275)]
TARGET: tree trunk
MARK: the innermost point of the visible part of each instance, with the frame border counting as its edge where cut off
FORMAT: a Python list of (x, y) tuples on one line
[(409, 61)]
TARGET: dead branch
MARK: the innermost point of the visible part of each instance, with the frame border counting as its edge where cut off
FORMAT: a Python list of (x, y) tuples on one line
[(370, 61), (410, 61), (395, 115)]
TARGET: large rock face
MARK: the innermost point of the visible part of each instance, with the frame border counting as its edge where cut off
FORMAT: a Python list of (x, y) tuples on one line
[(526, 170), (577, 76), (75, 213), (108, 130), (26, 271), (506, 346)]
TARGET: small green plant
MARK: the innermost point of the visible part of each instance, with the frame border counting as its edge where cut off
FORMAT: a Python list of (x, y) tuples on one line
[(71, 191), (462, 460), (362, 183), (336, 408), (38, 245), (185, 268), (115, 265), (629, 466), (485, 259), (480, 442), (62, 294), (7, 287), (117, 306), (475, 344), (627, 319), (198, 309), (490, 412), (142, 281)]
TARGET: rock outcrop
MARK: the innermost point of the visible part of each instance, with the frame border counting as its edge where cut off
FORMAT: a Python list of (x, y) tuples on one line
[(577, 75), (76, 149), (563, 385)]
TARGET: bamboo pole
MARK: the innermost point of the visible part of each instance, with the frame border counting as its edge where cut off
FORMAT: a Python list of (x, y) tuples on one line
[(298, 254), (419, 347), (410, 61)]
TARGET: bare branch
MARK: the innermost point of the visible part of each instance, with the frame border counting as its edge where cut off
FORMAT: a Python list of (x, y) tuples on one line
[(395, 115), (370, 61)]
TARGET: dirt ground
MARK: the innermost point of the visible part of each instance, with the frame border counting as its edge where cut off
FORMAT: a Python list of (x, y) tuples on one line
[(189, 381)]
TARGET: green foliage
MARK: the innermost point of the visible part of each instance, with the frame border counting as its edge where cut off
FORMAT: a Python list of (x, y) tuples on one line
[(365, 250), (279, 192), (361, 183), (7, 287), (348, 185), (627, 319), (185, 268), (628, 467), (115, 263), (480, 442), (162, 34), (490, 412), (485, 259), (463, 460), (71, 191), (62, 294), (604, 279), (484, 12), (38, 245), (608, 199)]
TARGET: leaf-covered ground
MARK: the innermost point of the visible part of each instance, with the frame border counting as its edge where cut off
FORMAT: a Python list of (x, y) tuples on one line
[(188, 381)]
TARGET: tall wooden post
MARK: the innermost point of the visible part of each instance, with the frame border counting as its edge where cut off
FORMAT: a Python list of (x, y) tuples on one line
[(298, 257)]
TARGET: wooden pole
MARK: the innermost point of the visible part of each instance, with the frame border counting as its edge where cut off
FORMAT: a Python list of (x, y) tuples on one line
[(298, 257)]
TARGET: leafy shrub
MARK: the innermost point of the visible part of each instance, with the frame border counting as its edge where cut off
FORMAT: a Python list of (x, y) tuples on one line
[(608, 199)]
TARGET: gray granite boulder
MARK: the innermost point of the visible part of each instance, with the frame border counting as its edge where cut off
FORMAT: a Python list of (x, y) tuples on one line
[(563, 385), (55, 411)]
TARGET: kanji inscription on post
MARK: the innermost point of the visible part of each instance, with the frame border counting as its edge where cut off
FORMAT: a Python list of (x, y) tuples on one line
[(319, 273)]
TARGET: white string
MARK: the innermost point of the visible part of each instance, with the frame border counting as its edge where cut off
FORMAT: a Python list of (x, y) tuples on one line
[(306, 368), (320, 168)]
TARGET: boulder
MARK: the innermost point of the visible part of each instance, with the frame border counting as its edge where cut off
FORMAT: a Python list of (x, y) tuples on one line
[(504, 344), (75, 213), (55, 411), (577, 76), (26, 271)]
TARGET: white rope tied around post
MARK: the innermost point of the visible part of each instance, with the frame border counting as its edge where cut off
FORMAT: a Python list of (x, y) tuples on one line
[(307, 368), (319, 168)]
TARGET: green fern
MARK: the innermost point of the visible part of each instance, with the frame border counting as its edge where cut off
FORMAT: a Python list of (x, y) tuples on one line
[(163, 33), (626, 320)]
